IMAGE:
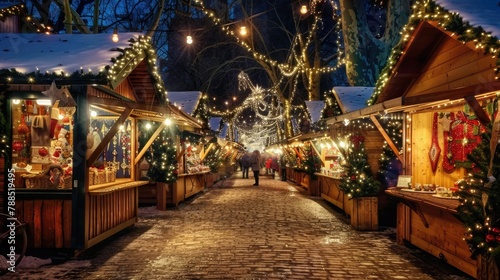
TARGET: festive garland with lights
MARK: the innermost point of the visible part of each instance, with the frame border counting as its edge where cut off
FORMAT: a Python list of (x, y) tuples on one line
[(430, 10), (138, 47)]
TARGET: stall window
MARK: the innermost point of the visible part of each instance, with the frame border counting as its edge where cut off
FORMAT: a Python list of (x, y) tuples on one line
[(114, 161), (42, 144)]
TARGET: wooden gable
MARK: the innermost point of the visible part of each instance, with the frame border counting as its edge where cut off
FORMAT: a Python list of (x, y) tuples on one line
[(436, 66)]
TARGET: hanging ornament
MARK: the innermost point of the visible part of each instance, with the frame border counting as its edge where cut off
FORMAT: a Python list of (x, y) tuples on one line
[(435, 150), (17, 146), (22, 128), (43, 152)]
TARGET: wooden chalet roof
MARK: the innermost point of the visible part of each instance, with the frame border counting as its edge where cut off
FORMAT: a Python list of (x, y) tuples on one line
[(125, 68), (436, 66)]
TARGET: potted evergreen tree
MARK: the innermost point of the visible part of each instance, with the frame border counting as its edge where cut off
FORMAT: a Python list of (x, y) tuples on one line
[(163, 165), (360, 185)]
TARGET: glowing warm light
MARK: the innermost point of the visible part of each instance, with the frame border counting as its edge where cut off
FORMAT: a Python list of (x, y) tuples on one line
[(303, 9), (43, 102), (189, 40), (168, 121), (16, 101), (93, 114), (243, 30), (115, 35)]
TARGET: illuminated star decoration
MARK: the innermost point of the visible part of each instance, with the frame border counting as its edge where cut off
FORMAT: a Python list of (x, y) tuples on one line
[(62, 94)]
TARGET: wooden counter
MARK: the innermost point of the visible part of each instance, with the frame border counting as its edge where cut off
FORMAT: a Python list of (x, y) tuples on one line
[(186, 186), (111, 208), (329, 190), (429, 223)]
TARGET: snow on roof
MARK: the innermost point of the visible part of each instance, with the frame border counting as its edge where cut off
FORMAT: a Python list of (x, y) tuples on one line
[(187, 101), (315, 108), (485, 13), (60, 52), (352, 98)]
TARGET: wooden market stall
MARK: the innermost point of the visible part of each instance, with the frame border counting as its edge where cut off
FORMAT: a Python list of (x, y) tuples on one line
[(445, 83), (300, 155), (75, 148), (359, 121)]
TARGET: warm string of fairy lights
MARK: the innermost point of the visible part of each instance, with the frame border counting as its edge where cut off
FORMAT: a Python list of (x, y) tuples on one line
[(453, 22), (286, 69), (120, 68), (20, 10)]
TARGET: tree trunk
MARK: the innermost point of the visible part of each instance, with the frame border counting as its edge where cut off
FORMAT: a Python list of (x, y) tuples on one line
[(366, 55), (156, 20)]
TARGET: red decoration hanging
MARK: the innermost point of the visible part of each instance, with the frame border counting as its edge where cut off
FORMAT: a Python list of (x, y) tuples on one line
[(17, 146), (435, 150), (22, 128)]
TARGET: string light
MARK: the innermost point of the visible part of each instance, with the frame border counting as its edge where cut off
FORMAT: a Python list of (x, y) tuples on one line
[(450, 21), (115, 38)]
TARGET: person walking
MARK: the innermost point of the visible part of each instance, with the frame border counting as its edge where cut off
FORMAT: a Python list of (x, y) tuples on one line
[(255, 160), (245, 164), (274, 165)]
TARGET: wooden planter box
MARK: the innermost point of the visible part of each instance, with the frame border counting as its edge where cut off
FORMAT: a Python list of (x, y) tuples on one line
[(364, 214)]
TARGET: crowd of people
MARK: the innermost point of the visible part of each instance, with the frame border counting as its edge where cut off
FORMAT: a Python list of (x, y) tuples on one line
[(257, 162)]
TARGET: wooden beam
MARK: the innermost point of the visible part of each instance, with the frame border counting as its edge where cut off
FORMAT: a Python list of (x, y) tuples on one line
[(107, 138), (149, 143), (318, 153), (478, 110), (204, 153), (452, 94), (181, 153), (387, 138)]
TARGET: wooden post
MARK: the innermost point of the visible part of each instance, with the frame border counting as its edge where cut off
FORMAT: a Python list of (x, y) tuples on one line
[(488, 268)]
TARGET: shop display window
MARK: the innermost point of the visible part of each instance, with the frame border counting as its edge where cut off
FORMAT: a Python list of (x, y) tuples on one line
[(193, 161), (114, 161), (42, 144)]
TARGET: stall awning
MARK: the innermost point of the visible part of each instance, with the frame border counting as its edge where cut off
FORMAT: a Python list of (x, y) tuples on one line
[(146, 111)]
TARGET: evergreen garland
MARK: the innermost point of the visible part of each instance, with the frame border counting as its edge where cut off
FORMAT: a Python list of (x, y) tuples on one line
[(163, 162), (453, 22), (479, 194), (358, 180)]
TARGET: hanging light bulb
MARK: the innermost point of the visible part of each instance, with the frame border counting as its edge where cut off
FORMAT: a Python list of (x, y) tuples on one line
[(243, 30), (303, 9), (189, 40), (115, 35)]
